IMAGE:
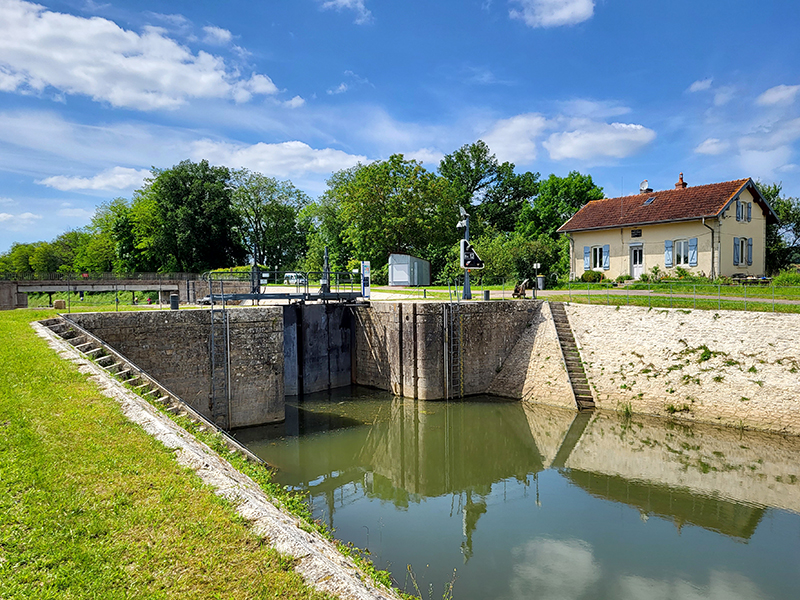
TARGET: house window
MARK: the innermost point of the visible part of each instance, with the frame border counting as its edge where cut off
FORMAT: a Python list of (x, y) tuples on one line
[(742, 250), (681, 252), (597, 257)]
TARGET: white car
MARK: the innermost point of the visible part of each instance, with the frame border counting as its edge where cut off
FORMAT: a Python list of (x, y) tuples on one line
[(294, 279)]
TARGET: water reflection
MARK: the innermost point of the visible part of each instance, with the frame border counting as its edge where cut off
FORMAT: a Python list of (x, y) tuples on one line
[(519, 497)]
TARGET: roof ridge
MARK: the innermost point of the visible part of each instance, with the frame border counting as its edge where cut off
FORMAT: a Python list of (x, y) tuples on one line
[(670, 190)]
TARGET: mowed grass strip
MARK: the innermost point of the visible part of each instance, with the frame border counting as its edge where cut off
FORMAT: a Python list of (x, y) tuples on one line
[(93, 507)]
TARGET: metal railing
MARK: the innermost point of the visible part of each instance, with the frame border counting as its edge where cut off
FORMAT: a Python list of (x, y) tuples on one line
[(86, 276)]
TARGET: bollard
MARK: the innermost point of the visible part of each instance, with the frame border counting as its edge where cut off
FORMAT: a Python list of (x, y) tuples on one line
[(173, 301), (486, 294)]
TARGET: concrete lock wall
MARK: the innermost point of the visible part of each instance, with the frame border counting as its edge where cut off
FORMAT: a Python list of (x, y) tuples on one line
[(400, 347), (176, 349), (10, 297)]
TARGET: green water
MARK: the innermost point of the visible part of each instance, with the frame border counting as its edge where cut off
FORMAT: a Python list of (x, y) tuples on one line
[(538, 502)]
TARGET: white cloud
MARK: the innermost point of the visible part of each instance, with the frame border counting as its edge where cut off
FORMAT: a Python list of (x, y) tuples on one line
[(780, 94), (339, 90), (217, 35), (363, 15), (701, 85), (712, 146), (592, 140), (6, 200), (514, 139), (552, 13), (295, 102), (97, 58), (724, 95), (277, 160), (721, 586), (76, 213), (118, 178), (761, 164), (19, 222), (554, 569), (429, 156)]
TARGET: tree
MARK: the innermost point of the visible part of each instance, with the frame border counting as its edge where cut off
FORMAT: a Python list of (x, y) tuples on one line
[(558, 199), (268, 213), (783, 238), (196, 227), (490, 191), (392, 206)]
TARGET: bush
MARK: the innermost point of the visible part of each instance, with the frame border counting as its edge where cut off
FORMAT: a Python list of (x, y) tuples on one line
[(787, 278), (622, 278), (592, 276)]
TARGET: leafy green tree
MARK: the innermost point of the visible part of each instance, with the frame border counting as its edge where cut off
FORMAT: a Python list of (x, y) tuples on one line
[(268, 212), (195, 227), (783, 239), (392, 206), (18, 258), (558, 199), (491, 192)]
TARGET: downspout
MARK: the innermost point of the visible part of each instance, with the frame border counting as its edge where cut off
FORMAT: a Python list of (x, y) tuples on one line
[(713, 261)]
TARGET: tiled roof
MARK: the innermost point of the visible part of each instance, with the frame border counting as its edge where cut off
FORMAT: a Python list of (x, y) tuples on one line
[(680, 204)]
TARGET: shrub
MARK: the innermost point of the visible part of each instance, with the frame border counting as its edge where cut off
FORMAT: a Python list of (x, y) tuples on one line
[(592, 276), (622, 278), (644, 278), (787, 278)]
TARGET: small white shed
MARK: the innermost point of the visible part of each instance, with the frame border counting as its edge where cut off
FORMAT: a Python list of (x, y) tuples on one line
[(405, 269)]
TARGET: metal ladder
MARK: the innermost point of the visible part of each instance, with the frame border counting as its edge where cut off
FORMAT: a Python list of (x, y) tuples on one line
[(454, 331)]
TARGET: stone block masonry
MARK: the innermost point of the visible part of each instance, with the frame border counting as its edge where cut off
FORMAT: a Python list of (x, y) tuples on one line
[(175, 347), (734, 368), (507, 349)]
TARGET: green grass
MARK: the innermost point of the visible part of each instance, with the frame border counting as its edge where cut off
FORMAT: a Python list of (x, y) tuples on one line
[(92, 507), (91, 299), (655, 301)]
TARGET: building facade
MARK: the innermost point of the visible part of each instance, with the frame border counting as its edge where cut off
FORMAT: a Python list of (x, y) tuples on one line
[(713, 230)]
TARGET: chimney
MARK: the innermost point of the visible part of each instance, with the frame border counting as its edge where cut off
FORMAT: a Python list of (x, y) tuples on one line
[(644, 188), (681, 183)]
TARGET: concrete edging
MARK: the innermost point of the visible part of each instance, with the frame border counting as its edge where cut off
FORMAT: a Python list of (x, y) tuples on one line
[(319, 562)]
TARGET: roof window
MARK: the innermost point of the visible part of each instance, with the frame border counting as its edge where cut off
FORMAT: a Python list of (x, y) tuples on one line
[(649, 201)]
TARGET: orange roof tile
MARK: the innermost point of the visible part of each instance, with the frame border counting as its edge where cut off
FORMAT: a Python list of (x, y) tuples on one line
[(680, 204)]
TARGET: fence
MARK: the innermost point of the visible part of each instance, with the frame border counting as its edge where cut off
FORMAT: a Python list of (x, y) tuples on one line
[(69, 277)]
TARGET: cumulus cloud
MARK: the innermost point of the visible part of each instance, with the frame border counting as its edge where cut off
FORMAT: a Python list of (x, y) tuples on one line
[(277, 160), (118, 178), (554, 569), (514, 139), (552, 13), (712, 146), (95, 57), (592, 140), (780, 94), (363, 15), (217, 35), (701, 85), (295, 102), (18, 222), (762, 164), (721, 586), (429, 156), (339, 90)]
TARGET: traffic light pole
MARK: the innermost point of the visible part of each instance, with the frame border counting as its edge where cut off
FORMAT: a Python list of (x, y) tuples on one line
[(466, 293)]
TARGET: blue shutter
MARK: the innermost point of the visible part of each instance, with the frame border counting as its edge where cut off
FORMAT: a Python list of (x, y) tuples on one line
[(587, 258), (749, 251), (749, 211), (738, 211), (736, 251), (668, 254), (606, 257), (693, 252)]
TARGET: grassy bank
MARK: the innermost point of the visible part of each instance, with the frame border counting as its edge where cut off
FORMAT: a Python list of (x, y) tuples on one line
[(92, 507)]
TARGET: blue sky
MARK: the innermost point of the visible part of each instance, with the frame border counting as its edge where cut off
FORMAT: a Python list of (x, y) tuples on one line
[(93, 94)]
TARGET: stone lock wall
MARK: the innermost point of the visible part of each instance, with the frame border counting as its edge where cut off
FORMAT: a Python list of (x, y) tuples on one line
[(175, 347)]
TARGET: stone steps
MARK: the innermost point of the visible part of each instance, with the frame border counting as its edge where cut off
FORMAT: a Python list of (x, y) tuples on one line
[(572, 358)]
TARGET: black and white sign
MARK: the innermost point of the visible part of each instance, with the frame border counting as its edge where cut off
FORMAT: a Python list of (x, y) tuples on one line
[(469, 258)]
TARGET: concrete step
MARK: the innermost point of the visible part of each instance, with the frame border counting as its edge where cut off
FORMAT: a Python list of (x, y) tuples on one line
[(94, 353)]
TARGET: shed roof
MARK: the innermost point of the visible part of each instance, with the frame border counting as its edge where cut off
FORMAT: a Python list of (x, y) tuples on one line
[(680, 204)]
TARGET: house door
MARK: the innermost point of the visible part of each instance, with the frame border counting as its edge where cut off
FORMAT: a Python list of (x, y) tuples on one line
[(637, 261)]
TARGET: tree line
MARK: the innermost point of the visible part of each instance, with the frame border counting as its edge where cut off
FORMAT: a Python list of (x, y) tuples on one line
[(196, 217)]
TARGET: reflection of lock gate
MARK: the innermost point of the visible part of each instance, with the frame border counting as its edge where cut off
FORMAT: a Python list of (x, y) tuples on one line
[(453, 321)]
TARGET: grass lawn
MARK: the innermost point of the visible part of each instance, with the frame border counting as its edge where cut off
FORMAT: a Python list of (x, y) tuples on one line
[(92, 507)]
